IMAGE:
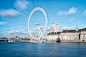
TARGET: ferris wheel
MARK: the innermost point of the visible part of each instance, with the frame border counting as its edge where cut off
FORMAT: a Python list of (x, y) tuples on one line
[(41, 34)]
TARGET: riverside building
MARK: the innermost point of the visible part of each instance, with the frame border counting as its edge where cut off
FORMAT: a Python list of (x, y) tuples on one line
[(54, 27), (77, 35)]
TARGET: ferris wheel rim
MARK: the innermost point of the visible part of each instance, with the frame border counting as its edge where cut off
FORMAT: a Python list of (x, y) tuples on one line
[(46, 21)]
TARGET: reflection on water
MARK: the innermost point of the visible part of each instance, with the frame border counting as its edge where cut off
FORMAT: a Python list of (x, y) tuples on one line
[(21, 49)]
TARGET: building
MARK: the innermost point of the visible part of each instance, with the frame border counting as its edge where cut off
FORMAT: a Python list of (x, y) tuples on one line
[(77, 35), (54, 27)]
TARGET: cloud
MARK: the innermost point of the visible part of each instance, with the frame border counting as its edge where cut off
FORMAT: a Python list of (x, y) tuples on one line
[(1, 23), (12, 28), (41, 27), (71, 28), (62, 13), (16, 33), (61, 25), (35, 30), (48, 28), (7, 29), (22, 32), (22, 27), (70, 11), (21, 4), (84, 13), (71, 19), (15, 28), (8, 13), (81, 26)]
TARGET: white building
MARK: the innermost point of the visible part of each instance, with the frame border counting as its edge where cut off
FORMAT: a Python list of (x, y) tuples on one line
[(66, 35), (54, 27)]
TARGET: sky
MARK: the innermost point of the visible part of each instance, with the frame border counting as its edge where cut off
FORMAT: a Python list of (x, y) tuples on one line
[(14, 15)]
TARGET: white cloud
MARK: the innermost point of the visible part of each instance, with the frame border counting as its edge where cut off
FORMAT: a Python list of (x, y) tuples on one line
[(16, 33), (81, 26), (22, 32), (1, 23), (13, 31), (35, 30), (68, 27), (84, 13), (70, 11), (22, 27), (7, 29), (71, 19), (8, 13), (71, 28), (48, 28), (12, 28), (62, 13), (21, 4)]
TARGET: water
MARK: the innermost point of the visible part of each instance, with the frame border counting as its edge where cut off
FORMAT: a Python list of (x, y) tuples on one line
[(21, 49)]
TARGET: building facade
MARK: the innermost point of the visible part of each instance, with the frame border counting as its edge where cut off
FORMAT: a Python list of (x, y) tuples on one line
[(78, 35), (54, 27)]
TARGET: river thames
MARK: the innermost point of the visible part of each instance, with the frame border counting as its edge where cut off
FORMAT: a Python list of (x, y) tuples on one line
[(22, 49)]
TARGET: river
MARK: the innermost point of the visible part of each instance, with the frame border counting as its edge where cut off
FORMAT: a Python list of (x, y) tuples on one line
[(22, 49)]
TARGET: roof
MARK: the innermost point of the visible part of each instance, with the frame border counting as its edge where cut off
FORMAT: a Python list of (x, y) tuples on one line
[(54, 33), (65, 31)]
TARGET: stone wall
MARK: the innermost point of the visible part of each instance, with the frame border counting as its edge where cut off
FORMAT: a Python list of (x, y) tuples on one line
[(68, 36), (83, 36)]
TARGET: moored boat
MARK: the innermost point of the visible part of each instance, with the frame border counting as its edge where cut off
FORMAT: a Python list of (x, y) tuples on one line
[(11, 41)]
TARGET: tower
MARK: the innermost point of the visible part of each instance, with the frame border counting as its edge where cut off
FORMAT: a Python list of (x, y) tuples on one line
[(54, 27), (77, 27)]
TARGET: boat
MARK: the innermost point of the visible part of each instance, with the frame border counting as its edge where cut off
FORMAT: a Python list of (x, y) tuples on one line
[(33, 41), (11, 41), (37, 42)]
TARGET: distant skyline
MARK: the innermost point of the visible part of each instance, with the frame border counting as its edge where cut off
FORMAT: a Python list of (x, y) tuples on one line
[(14, 15)]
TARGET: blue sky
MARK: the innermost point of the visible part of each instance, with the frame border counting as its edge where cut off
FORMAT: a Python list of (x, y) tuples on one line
[(14, 15)]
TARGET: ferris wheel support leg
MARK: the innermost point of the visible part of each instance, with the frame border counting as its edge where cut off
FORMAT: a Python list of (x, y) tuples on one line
[(39, 30)]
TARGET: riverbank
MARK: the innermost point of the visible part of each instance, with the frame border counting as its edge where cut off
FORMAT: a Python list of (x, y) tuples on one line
[(67, 41)]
